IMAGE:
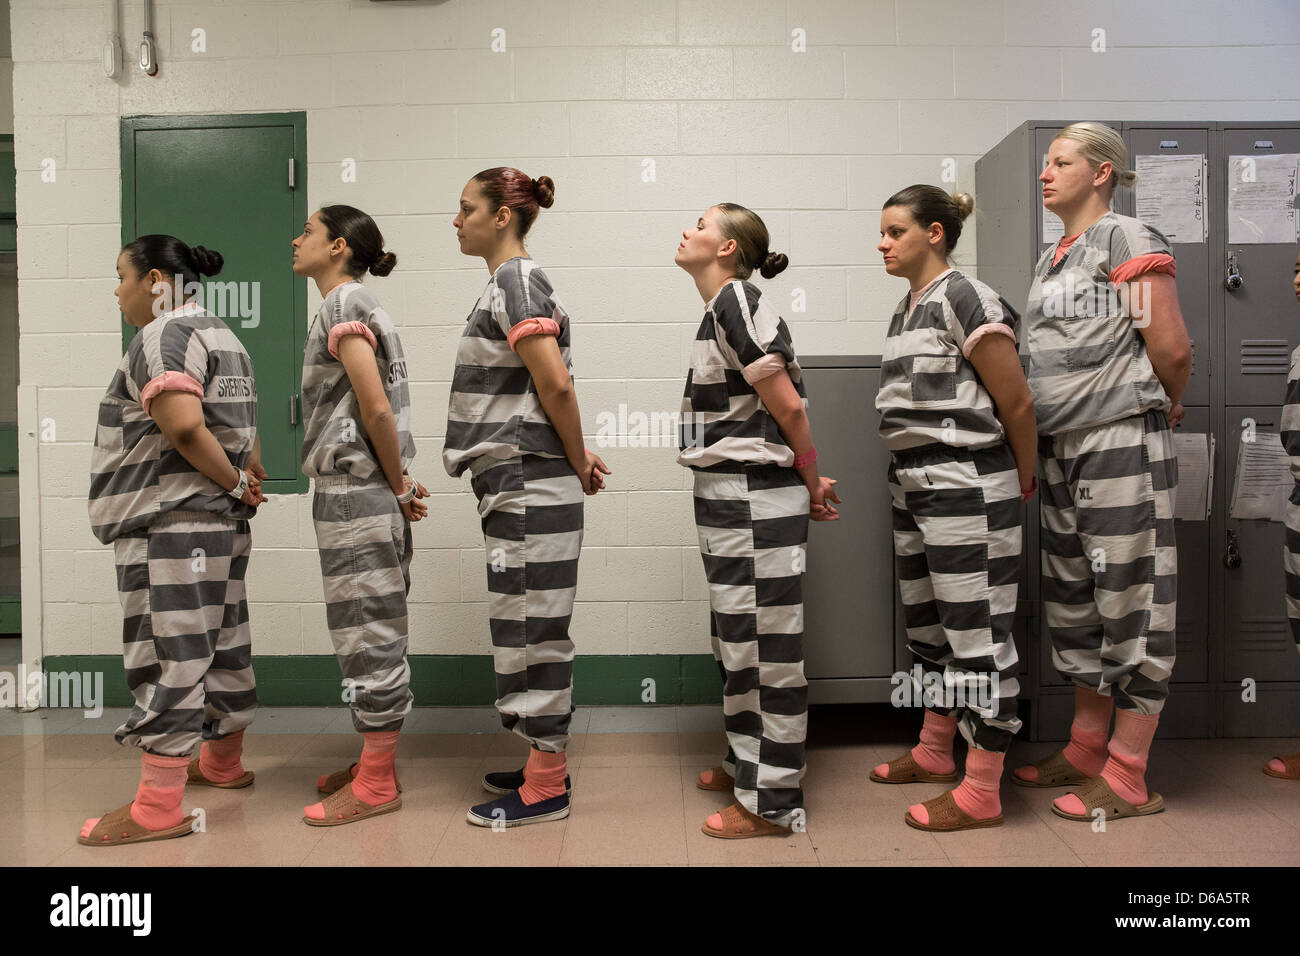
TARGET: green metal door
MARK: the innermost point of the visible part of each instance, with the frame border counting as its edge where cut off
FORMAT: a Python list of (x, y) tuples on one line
[(236, 184)]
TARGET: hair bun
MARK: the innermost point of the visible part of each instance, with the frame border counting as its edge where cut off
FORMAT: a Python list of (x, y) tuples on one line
[(1126, 177), (384, 264), (774, 264), (544, 190), (965, 204), (207, 262)]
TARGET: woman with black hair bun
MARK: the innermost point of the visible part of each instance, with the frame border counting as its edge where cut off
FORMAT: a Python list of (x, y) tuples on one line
[(746, 437), (175, 477), (958, 420), (357, 448)]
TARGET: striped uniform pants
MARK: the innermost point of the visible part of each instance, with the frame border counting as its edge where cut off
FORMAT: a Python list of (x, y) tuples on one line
[(1291, 562), (957, 554), (752, 522), (1110, 563), (186, 644), (365, 565), (531, 510)]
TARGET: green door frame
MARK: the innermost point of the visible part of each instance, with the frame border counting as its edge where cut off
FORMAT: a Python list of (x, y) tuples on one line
[(130, 125)]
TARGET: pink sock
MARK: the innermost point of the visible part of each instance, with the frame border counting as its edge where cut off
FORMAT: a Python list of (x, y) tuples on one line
[(934, 752), (1126, 769), (219, 759), (1086, 750), (1277, 765), (543, 776), (977, 794), (376, 777), (162, 786)]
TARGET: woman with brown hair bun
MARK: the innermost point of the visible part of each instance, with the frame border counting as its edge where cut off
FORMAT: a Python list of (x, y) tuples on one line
[(513, 423), (745, 435), (957, 417)]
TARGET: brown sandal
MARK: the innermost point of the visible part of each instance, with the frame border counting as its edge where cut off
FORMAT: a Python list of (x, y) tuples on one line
[(1053, 771), (343, 806), (341, 778), (194, 777), (905, 769), (945, 816), (119, 827), (1292, 764), (1097, 794), (739, 824), (719, 779)]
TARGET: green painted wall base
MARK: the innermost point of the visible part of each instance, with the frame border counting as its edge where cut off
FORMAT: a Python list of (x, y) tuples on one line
[(450, 680)]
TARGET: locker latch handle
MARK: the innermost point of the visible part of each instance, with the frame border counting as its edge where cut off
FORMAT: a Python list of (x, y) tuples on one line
[(1232, 557), (293, 410), (1233, 281)]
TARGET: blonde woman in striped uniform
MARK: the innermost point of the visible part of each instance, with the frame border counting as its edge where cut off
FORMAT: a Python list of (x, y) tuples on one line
[(1109, 359), (745, 435)]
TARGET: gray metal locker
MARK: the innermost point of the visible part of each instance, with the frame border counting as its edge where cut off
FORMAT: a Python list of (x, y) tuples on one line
[(849, 652)]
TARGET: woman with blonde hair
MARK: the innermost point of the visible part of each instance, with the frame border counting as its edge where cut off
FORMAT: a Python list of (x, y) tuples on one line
[(957, 417), (1109, 359), (746, 437)]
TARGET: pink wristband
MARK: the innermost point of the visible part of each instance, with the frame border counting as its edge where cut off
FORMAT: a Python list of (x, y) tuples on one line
[(805, 459)]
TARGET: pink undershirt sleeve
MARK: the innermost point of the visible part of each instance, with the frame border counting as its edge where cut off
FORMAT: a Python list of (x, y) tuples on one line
[(973, 339), (760, 369), (1139, 265), (349, 328), (169, 382), (535, 326)]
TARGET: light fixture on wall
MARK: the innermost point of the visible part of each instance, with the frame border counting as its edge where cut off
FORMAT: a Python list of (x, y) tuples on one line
[(113, 45), (148, 60)]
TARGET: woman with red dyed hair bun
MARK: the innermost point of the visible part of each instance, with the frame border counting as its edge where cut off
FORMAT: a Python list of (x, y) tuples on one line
[(513, 423)]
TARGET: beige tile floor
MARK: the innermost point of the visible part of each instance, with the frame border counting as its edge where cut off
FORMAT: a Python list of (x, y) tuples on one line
[(635, 801)]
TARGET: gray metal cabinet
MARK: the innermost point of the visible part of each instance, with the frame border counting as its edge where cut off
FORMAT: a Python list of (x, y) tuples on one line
[(849, 652)]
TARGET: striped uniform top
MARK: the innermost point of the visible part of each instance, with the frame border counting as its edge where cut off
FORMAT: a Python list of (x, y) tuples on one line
[(494, 408), (742, 340), (336, 441), (1291, 417), (929, 390), (1088, 362), (135, 472)]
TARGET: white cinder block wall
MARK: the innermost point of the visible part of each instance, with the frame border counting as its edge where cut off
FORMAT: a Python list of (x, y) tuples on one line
[(589, 93)]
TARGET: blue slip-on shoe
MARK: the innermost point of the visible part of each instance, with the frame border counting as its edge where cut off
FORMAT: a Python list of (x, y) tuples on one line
[(505, 781), (511, 811)]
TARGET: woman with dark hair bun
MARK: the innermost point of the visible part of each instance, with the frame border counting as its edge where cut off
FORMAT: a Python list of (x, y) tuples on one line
[(175, 477), (957, 417), (745, 435), (513, 423), (357, 448)]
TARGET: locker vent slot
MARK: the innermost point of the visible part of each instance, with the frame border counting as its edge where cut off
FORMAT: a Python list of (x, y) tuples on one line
[(1265, 357), (1265, 634)]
